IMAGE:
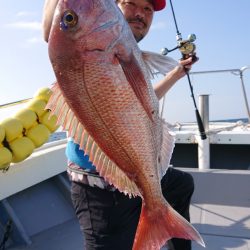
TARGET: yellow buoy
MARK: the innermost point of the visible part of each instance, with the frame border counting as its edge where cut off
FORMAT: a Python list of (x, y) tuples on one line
[(38, 106), (2, 133), (21, 148), (38, 134), (43, 94), (50, 121), (27, 117), (13, 128), (28, 129), (5, 157)]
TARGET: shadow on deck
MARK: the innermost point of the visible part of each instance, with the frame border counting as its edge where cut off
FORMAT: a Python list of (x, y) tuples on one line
[(221, 208)]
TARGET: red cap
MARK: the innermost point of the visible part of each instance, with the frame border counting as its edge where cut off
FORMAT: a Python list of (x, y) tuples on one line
[(159, 4)]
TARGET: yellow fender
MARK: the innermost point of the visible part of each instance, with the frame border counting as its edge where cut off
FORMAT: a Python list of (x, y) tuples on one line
[(28, 129)]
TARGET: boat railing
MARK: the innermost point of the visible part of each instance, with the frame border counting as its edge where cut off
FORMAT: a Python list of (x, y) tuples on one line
[(188, 133), (215, 135), (237, 72)]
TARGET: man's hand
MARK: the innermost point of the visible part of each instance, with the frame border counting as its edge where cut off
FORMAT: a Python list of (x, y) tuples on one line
[(185, 65)]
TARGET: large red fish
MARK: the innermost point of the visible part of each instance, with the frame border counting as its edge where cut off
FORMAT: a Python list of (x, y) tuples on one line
[(105, 100)]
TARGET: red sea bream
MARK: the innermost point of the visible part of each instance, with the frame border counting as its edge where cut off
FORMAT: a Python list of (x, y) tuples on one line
[(104, 99)]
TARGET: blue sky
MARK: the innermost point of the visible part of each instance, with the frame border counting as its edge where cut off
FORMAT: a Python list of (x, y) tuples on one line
[(223, 36)]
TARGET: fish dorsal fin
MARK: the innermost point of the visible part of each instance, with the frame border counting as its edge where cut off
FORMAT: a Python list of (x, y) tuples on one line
[(167, 148), (104, 165), (158, 63)]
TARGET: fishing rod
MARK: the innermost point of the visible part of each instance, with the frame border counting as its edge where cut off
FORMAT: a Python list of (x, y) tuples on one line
[(187, 49)]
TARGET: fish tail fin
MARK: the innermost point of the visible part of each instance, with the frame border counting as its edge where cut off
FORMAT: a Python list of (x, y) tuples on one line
[(156, 227)]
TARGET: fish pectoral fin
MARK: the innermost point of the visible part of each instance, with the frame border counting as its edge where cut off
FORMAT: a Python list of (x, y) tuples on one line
[(138, 83), (158, 63)]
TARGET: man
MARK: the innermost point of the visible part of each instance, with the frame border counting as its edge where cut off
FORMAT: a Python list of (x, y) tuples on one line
[(108, 218)]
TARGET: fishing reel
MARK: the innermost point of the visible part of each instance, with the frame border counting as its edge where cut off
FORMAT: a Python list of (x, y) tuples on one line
[(186, 47)]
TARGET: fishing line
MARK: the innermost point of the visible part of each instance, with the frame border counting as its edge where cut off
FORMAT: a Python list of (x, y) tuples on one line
[(175, 22)]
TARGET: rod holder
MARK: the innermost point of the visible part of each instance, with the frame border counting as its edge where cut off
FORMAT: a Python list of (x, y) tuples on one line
[(204, 145)]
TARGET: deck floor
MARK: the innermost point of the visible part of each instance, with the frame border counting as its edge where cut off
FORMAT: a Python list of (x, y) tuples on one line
[(216, 234), (218, 227), (220, 211)]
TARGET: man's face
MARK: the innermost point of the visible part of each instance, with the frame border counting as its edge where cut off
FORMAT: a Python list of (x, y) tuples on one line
[(139, 15)]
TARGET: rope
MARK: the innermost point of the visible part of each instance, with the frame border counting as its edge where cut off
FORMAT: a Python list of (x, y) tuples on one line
[(240, 124), (228, 128)]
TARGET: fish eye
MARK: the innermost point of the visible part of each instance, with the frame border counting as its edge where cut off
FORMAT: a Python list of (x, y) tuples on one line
[(69, 19)]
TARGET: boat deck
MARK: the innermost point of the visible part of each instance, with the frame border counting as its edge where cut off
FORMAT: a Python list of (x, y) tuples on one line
[(67, 235), (224, 222), (221, 209), (35, 194)]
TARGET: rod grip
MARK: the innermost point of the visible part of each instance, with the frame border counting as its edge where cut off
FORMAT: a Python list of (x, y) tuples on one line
[(200, 125)]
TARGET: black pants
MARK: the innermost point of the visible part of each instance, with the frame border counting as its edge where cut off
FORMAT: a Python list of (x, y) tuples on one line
[(108, 219)]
